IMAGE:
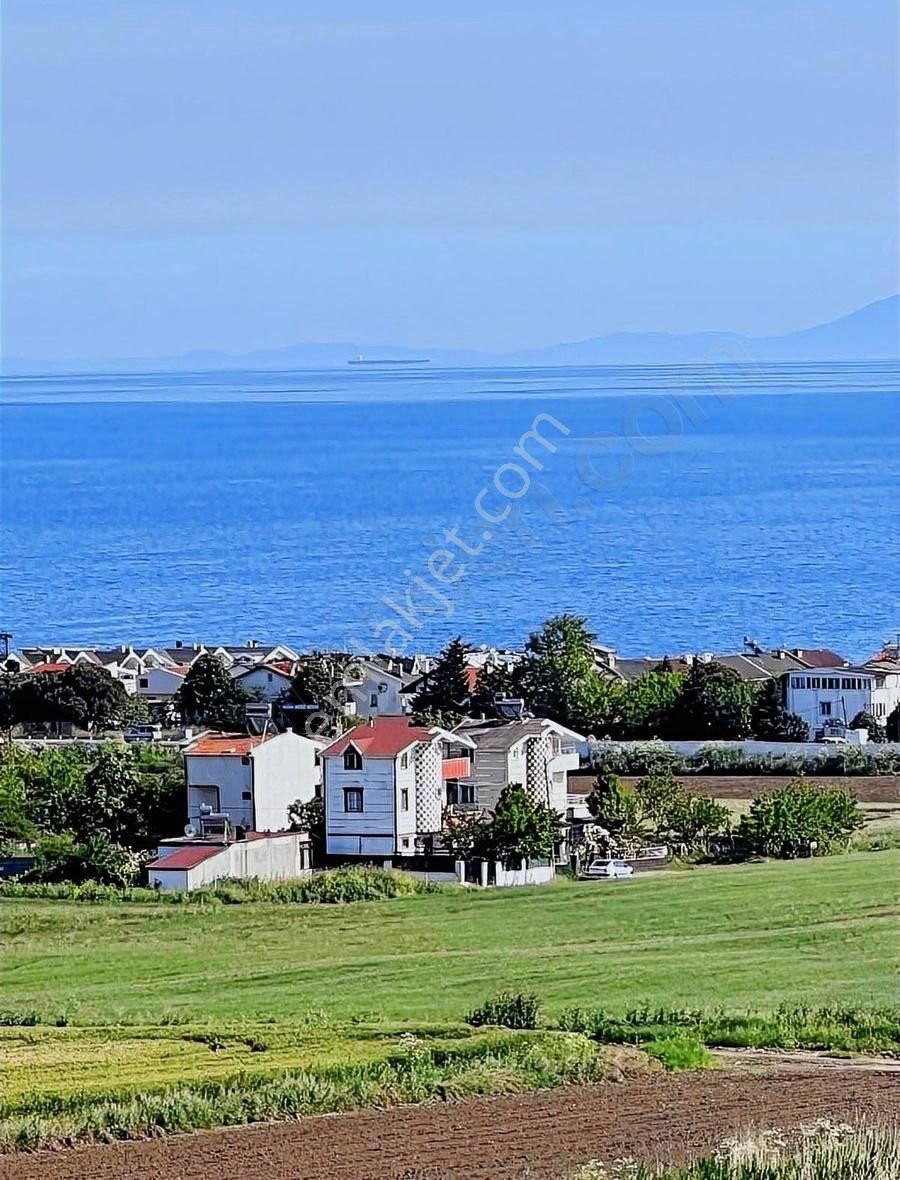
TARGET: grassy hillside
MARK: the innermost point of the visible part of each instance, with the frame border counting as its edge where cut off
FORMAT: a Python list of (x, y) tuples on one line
[(809, 931)]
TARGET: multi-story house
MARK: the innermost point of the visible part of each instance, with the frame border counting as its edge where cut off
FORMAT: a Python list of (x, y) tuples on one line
[(829, 697), (252, 780), (534, 752), (385, 786)]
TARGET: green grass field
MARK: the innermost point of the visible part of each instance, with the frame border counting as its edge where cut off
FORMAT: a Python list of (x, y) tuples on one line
[(750, 937)]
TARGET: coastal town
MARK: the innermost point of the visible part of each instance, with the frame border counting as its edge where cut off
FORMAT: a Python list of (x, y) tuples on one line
[(291, 761)]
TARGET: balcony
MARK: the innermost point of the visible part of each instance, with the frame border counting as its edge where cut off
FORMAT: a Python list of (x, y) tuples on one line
[(456, 767)]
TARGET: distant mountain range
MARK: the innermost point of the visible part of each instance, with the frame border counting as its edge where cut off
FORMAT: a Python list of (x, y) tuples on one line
[(872, 332)]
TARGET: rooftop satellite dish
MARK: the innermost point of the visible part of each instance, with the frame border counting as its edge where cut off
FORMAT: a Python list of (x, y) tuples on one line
[(190, 830)]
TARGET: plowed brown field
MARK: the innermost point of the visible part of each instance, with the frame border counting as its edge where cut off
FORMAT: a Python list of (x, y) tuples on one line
[(542, 1135)]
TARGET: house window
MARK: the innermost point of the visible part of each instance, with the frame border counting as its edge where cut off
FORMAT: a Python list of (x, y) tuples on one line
[(246, 795), (373, 700), (460, 792), (352, 760), (269, 675), (404, 761), (353, 799), (404, 800), (825, 707), (143, 682)]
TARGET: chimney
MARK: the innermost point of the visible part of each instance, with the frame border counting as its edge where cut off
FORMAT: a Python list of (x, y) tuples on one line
[(178, 643), (371, 723)]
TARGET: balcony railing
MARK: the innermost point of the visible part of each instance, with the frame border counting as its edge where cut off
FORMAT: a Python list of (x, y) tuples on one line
[(456, 768)]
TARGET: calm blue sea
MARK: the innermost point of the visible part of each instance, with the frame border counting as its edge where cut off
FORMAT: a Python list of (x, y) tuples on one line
[(679, 509)]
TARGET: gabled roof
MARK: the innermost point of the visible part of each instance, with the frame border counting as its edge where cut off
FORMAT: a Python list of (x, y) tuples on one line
[(274, 668), (503, 735), (224, 744), (36, 669), (383, 737), (818, 657)]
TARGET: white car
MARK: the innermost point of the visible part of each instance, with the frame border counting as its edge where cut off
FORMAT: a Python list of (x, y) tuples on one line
[(609, 868)]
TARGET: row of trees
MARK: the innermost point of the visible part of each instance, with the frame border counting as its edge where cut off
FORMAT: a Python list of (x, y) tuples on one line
[(90, 815), (87, 697), (796, 820), (559, 678)]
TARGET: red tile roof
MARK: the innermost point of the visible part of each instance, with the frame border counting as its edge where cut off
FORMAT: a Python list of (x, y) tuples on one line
[(186, 858), (47, 667), (385, 737), (226, 743), (285, 666)]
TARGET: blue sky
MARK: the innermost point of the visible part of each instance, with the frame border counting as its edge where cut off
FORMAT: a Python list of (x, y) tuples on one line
[(476, 173)]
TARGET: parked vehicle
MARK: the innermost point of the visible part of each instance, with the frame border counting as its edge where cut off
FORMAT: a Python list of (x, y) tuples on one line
[(144, 733), (609, 869)]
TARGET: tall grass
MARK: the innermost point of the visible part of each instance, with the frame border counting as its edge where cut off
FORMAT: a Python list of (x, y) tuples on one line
[(328, 886), (835, 1029), (505, 1064), (821, 1151)]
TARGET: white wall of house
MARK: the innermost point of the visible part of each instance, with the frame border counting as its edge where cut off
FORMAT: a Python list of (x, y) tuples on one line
[(272, 776), (158, 682), (405, 778), (278, 858), (266, 683), (378, 694), (824, 695), (284, 770), (222, 781), (369, 832)]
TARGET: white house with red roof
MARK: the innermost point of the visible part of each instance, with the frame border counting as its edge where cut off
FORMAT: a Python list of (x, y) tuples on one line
[(385, 786), (250, 779)]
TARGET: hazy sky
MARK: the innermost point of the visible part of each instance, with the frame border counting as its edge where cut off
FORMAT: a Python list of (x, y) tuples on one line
[(248, 174)]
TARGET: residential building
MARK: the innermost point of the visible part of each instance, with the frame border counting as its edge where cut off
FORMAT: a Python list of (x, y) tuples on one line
[(264, 682), (535, 752), (385, 786), (827, 697), (250, 779)]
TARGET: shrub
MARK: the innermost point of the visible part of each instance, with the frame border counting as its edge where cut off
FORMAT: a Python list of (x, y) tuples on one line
[(508, 1010), (98, 858), (679, 1052), (799, 820)]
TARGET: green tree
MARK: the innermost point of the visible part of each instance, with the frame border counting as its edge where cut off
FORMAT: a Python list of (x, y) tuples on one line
[(559, 673), (90, 697), (63, 858), (445, 689), (694, 820), (714, 703), (770, 720), (658, 794), (464, 833), (800, 820), (519, 828), (892, 725), (867, 721), (318, 689), (15, 822), (612, 806), (648, 703), (135, 794), (209, 696)]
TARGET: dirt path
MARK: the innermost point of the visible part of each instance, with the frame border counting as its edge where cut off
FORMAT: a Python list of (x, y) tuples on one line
[(538, 1136)]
